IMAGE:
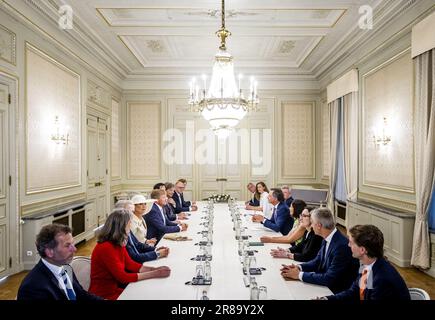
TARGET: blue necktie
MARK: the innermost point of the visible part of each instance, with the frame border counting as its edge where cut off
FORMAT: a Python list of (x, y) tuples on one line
[(274, 214), (69, 291), (323, 260)]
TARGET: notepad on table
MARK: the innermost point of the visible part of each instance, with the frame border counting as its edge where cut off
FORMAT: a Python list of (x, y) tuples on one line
[(176, 237)]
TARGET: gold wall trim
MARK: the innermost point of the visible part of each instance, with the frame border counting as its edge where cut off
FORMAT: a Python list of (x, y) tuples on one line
[(388, 202), (28, 46), (42, 206), (13, 44), (282, 177), (366, 182)]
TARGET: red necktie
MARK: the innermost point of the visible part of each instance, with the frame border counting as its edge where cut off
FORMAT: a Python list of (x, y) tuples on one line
[(363, 284)]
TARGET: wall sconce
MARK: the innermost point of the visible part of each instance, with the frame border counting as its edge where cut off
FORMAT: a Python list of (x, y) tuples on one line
[(383, 139), (58, 137)]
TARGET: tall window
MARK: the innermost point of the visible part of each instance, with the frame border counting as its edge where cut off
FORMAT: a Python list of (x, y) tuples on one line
[(432, 211), (340, 186)]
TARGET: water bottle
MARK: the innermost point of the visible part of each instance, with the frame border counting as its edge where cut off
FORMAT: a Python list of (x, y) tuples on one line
[(204, 296), (254, 291), (207, 271)]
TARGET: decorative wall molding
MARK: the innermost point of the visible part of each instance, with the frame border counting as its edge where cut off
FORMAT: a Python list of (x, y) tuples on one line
[(144, 136), (116, 140), (42, 206), (52, 90), (326, 151), (387, 92), (389, 202), (8, 45), (298, 140)]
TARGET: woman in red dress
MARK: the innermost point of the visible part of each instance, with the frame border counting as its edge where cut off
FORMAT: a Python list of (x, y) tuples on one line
[(112, 269)]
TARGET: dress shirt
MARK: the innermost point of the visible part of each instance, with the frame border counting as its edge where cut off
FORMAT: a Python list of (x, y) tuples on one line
[(181, 202), (139, 228), (163, 215), (328, 241), (57, 272), (369, 270)]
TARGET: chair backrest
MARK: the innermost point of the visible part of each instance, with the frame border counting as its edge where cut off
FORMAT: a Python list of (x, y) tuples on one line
[(418, 294), (82, 270)]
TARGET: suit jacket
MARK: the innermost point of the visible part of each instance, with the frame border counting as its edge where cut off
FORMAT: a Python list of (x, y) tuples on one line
[(41, 284), (170, 212), (138, 251), (387, 284), (337, 270), (181, 205), (157, 227), (254, 201), (280, 220), (187, 203), (308, 248), (289, 201)]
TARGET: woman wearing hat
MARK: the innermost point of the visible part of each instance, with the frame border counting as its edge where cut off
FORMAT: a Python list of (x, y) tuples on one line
[(138, 224)]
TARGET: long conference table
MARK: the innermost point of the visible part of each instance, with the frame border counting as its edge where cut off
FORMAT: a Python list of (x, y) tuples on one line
[(226, 267)]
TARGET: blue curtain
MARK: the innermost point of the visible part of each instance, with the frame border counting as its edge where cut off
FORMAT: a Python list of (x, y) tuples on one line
[(340, 186), (432, 211)]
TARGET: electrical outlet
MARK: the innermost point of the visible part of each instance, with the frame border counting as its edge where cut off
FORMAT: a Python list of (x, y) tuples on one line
[(29, 253)]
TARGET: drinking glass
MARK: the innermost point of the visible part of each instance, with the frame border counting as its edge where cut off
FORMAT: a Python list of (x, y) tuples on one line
[(262, 293), (199, 271)]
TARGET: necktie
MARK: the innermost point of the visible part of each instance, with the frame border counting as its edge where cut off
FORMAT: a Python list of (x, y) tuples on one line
[(323, 257), (69, 291), (363, 284), (274, 214)]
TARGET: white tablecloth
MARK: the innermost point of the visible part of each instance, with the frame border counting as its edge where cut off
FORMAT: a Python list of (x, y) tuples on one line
[(226, 268)]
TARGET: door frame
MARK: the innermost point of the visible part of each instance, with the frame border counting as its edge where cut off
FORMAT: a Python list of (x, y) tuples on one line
[(14, 233)]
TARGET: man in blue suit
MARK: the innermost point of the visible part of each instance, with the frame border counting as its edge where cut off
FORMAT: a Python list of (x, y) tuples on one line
[(254, 201), (287, 195), (181, 205), (156, 219), (334, 265), (52, 278), (378, 279), (142, 252), (281, 221)]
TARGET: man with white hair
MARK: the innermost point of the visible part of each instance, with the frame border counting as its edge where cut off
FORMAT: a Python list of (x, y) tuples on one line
[(334, 265), (287, 195)]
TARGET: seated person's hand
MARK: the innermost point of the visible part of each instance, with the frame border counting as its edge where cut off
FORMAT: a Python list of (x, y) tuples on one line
[(151, 242), (184, 227), (164, 251), (257, 218), (194, 208), (162, 272), (182, 216), (171, 201), (290, 272), (266, 239), (194, 203), (279, 253)]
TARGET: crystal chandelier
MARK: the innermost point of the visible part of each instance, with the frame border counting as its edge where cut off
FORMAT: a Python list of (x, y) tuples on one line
[(223, 105)]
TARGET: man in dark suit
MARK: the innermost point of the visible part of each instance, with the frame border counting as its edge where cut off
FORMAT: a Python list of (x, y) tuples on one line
[(253, 201), (170, 207), (281, 221), (334, 265), (378, 279), (287, 195), (52, 278), (142, 252), (181, 205), (156, 220)]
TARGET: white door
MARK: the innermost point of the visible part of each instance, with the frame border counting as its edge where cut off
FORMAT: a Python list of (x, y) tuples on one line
[(5, 260), (98, 181)]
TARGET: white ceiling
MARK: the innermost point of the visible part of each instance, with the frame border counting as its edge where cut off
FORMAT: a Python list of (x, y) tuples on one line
[(175, 39), (178, 37)]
